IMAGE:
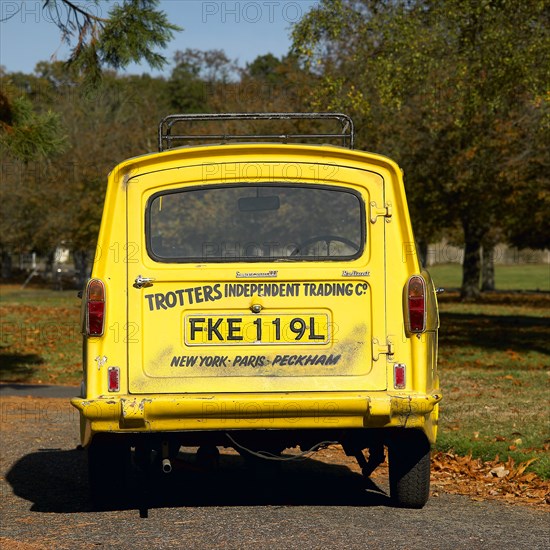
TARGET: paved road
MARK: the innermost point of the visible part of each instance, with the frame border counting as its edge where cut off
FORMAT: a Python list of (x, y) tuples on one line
[(38, 390), (315, 504)]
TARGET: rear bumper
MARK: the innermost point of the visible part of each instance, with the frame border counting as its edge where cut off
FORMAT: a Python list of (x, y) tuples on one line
[(315, 410)]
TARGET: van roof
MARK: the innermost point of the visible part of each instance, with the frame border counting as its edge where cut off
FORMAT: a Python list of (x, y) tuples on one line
[(251, 152)]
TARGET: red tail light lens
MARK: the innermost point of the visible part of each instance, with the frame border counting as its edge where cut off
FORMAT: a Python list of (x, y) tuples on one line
[(95, 308), (113, 374), (416, 304), (399, 376)]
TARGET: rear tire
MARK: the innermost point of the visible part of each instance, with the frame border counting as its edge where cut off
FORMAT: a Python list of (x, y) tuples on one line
[(409, 468), (108, 463)]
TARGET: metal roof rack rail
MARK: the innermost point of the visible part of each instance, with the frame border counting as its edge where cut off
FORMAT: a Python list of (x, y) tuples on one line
[(169, 139)]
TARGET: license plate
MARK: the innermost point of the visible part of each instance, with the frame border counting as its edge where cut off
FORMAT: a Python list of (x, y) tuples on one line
[(208, 330)]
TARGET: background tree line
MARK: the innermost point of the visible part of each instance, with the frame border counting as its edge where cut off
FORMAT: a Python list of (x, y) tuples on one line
[(457, 91), (64, 137)]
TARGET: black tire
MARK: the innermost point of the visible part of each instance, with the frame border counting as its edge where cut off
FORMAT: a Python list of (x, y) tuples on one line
[(108, 463), (409, 468)]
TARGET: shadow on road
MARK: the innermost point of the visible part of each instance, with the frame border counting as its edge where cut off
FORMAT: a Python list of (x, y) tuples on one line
[(55, 480)]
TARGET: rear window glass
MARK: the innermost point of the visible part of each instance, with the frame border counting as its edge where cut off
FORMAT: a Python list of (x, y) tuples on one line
[(255, 223)]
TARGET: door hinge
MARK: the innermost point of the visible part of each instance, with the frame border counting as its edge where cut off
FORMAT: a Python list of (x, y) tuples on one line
[(384, 212), (379, 349)]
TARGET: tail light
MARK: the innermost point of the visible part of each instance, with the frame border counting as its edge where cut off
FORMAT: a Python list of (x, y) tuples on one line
[(416, 304), (95, 308)]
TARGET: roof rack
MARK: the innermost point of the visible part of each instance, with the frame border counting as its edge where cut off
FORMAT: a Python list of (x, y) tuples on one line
[(169, 139)]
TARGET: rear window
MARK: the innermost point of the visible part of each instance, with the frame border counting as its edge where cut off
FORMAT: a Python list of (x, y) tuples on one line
[(255, 223)]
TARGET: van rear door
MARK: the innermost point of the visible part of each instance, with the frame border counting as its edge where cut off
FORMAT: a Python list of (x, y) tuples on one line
[(267, 284)]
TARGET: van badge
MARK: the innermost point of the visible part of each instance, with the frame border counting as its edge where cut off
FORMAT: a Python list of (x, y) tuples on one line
[(354, 273), (100, 361), (257, 275)]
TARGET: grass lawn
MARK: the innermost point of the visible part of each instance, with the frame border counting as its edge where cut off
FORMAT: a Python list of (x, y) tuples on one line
[(531, 277), (40, 340), (494, 359)]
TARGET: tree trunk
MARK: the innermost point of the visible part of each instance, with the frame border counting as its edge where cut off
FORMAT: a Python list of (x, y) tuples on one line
[(471, 270), (6, 271), (422, 248), (488, 267), (82, 268)]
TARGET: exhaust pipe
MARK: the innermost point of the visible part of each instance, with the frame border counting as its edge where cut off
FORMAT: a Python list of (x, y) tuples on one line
[(166, 465)]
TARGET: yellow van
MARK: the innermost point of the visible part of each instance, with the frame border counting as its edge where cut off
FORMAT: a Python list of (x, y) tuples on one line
[(261, 294)]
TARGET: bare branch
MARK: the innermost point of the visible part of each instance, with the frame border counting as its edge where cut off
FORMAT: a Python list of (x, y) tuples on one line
[(76, 9)]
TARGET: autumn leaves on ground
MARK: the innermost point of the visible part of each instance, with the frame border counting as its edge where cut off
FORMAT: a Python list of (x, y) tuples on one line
[(494, 359), (40, 340)]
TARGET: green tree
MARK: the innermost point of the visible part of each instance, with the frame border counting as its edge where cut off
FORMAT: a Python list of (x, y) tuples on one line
[(265, 67), (131, 32), (30, 132), (527, 169), (59, 198), (267, 84), (443, 77), (196, 76), (26, 133)]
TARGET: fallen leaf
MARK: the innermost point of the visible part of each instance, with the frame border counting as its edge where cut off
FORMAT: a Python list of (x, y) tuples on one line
[(523, 466), (499, 471)]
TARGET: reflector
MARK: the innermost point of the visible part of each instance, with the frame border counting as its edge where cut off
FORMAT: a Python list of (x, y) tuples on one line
[(113, 374), (399, 376)]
